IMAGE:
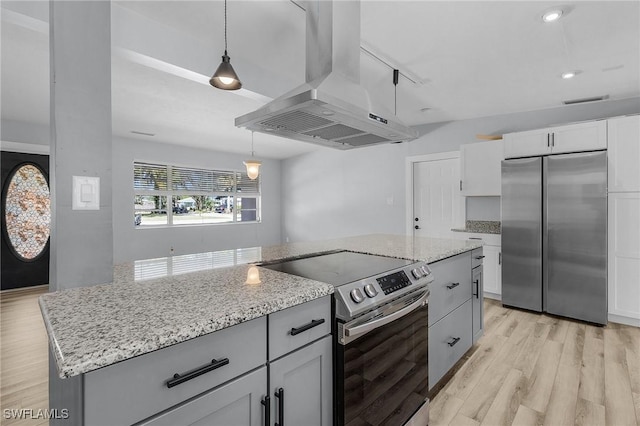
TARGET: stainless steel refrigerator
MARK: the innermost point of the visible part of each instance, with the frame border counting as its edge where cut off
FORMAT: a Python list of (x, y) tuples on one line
[(554, 235)]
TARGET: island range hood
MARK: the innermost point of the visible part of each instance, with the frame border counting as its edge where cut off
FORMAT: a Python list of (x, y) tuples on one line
[(331, 108)]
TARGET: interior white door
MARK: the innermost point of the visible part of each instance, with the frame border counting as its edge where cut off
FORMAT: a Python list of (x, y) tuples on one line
[(438, 204)]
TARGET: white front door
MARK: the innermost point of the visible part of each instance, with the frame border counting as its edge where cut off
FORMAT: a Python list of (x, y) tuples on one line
[(437, 203)]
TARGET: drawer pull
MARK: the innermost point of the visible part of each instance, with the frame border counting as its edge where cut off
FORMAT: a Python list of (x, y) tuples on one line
[(453, 285), (313, 323), (477, 293), (479, 257), (280, 396), (266, 402), (453, 341), (181, 378)]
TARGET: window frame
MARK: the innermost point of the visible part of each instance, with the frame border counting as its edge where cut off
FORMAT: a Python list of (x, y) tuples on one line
[(172, 194)]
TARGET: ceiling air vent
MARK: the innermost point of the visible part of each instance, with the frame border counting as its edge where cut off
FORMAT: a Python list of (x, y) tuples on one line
[(585, 100)]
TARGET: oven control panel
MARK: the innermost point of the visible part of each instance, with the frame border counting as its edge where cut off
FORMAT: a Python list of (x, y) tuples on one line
[(367, 294)]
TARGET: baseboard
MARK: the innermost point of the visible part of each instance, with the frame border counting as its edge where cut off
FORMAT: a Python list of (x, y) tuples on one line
[(635, 322), (493, 296), (30, 288)]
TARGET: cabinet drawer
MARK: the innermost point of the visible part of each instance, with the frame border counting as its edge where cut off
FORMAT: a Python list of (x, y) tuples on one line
[(444, 349), (476, 257), (294, 327), (236, 403), (110, 392), (451, 286)]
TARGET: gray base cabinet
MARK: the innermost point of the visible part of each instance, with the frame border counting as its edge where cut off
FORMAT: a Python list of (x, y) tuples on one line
[(449, 339), (455, 311), (236, 403), (301, 386)]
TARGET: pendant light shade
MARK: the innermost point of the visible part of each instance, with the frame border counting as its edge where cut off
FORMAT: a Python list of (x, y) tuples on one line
[(253, 168), (252, 165), (225, 77), (253, 275)]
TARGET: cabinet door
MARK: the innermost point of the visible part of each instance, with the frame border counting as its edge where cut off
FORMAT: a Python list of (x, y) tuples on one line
[(579, 137), (481, 174), (237, 403), (527, 144), (477, 303), (305, 378), (449, 339), (624, 255), (624, 153), (492, 271)]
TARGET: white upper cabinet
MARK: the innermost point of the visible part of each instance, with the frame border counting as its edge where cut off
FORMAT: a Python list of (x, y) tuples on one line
[(624, 154), (587, 136), (481, 168)]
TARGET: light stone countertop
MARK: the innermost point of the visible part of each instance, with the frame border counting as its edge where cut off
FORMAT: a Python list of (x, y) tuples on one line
[(155, 303)]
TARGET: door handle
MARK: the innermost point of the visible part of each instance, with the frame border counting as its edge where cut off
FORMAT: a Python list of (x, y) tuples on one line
[(185, 377), (500, 258), (548, 140), (416, 227), (553, 140), (476, 294), (280, 396), (266, 402), (416, 219), (313, 323), (453, 341)]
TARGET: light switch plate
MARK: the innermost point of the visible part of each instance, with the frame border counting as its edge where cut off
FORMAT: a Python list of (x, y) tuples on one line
[(86, 193)]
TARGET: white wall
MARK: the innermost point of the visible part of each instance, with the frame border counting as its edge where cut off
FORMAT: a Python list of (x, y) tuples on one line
[(132, 242), (331, 193)]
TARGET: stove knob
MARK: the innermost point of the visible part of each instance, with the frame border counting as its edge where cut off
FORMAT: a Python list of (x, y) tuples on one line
[(416, 273), (357, 295), (425, 269), (370, 290)]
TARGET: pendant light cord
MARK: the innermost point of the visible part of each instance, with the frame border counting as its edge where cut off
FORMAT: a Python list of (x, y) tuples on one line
[(252, 143), (225, 27)]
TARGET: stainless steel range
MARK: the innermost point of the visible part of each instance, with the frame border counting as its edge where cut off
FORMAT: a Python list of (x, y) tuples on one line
[(380, 334)]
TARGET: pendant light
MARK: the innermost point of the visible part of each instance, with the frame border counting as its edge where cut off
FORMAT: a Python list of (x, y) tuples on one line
[(253, 165), (225, 77)]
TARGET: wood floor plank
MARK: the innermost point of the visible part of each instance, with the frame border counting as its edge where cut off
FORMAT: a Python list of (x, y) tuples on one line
[(636, 402), (443, 409), (543, 376), (470, 374), (558, 330), (619, 406), (530, 351), (481, 397), (592, 371), (460, 420), (505, 405), (564, 395), (525, 416), (589, 413)]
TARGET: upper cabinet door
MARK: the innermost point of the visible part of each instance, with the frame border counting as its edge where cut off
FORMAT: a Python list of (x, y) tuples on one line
[(481, 168), (624, 154), (588, 136), (527, 144)]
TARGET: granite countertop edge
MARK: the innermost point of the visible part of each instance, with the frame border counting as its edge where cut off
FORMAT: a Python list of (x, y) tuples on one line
[(79, 354)]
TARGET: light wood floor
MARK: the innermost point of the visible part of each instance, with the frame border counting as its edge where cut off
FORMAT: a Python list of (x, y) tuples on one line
[(528, 369), (532, 369), (24, 359)]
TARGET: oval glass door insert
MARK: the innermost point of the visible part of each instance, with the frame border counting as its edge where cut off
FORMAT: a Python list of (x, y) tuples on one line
[(27, 212)]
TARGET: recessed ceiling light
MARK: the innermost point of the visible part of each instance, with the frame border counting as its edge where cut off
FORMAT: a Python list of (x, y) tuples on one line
[(552, 15), (569, 74)]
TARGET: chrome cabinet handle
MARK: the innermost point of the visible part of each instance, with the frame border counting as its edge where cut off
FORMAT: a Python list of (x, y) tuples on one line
[(453, 285), (313, 323), (453, 341), (181, 378)]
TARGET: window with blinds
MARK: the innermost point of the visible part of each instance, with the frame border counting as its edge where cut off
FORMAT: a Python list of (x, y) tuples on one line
[(172, 195)]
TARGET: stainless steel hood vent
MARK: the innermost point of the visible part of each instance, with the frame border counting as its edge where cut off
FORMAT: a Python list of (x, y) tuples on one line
[(331, 108)]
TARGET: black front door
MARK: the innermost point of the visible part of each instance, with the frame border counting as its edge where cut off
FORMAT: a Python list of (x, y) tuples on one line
[(26, 219)]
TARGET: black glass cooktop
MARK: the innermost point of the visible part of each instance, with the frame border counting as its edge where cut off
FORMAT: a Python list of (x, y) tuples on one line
[(338, 268)]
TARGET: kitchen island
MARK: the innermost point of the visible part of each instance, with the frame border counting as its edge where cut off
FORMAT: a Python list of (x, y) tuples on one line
[(159, 304)]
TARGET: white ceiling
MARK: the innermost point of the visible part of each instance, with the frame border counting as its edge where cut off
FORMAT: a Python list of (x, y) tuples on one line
[(466, 59)]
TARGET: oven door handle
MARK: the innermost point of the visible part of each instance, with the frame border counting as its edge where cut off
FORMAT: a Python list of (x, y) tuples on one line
[(379, 322)]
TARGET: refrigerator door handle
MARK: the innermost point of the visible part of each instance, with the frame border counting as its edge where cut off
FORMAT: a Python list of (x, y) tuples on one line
[(548, 140)]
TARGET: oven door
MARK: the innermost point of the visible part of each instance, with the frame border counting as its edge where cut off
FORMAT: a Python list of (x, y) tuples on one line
[(382, 367)]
